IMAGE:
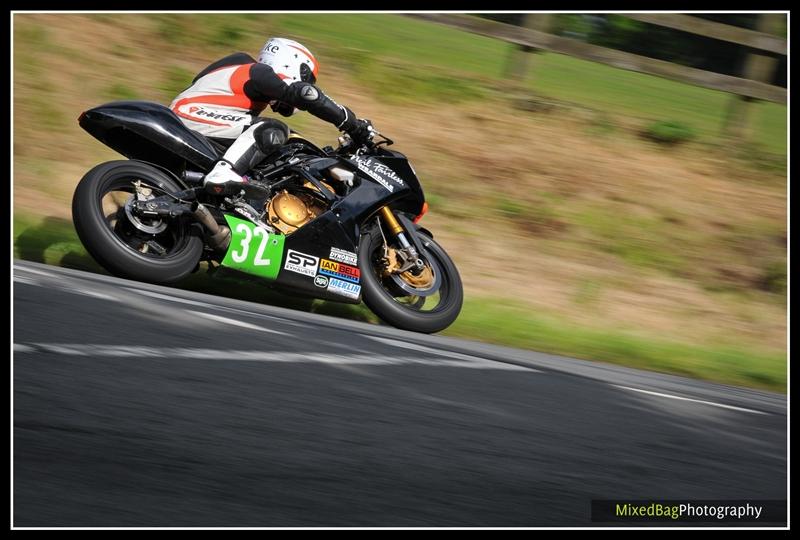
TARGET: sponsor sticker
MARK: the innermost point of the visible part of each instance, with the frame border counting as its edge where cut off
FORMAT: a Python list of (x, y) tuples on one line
[(253, 249), (383, 170), (321, 281), (301, 263), (344, 288), (341, 255), (378, 172), (339, 270), (199, 110)]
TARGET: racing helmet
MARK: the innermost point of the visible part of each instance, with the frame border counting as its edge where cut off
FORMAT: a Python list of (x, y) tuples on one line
[(290, 60)]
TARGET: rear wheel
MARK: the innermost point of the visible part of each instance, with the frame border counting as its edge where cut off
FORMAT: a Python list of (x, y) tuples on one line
[(155, 250), (393, 298)]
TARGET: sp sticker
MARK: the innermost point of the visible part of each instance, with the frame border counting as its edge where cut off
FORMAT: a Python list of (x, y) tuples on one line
[(301, 263)]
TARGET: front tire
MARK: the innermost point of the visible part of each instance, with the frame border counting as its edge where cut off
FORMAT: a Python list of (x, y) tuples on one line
[(110, 236), (406, 312)]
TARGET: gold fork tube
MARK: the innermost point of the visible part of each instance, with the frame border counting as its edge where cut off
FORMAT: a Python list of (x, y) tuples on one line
[(391, 221)]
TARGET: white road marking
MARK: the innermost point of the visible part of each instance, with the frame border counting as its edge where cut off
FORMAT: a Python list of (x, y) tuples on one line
[(34, 271), (64, 287), (93, 294), (167, 297), (233, 322), (123, 351), (681, 398), (213, 306), (70, 350), (442, 352)]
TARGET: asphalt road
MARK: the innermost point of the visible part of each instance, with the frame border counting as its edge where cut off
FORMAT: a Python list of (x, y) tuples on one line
[(137, 405)]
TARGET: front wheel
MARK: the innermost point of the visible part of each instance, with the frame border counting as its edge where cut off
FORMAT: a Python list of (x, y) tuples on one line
[(154, 250), (399, 306)]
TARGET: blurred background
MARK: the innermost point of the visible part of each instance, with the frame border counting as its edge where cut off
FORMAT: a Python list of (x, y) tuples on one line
[(593, 211)]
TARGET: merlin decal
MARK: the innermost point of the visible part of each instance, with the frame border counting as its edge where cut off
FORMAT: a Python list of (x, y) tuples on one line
[(344, 288)]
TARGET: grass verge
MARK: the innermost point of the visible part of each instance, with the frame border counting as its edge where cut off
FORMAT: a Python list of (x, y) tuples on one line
[(508, 323)]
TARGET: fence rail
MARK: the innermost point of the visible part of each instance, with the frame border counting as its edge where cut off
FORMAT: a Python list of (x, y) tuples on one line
[(725, 32), (541, 40)]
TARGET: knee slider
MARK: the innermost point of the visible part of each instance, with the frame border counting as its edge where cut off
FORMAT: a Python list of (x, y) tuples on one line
[(270, 134)]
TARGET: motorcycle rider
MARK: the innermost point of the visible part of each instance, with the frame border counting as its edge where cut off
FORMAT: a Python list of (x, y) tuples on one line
[(225, 99)]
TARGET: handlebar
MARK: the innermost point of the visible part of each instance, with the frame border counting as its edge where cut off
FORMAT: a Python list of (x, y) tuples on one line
[(345, 142)]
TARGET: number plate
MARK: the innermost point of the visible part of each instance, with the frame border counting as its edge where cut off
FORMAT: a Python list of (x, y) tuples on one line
[(253, 249)]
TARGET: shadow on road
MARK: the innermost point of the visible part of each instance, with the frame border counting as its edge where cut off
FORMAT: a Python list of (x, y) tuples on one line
[(54, 241)]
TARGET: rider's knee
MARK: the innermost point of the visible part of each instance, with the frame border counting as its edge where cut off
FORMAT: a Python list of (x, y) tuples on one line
[(270, 134)]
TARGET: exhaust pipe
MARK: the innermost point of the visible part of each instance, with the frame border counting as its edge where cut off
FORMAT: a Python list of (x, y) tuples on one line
[(220, 237)]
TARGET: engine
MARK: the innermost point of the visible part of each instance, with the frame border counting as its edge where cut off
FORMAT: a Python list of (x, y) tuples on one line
[(288, 211)]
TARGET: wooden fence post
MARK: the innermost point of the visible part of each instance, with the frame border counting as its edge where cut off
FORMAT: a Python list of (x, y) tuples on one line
[(518, 60), (547, 41), (758, 67)]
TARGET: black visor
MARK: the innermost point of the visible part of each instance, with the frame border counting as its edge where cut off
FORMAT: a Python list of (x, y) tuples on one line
[(306, 75)]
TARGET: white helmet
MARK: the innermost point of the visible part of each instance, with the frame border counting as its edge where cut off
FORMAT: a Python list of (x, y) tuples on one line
[(289, 60)]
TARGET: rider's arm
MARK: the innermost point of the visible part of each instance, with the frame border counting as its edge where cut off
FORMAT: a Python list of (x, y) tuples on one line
[(264, 85)]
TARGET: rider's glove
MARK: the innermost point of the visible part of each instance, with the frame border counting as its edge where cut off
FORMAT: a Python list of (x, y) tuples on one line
[(362, 132), (284, 109)]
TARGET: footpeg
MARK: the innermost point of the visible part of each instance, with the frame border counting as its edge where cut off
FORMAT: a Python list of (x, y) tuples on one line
[(155, 207)]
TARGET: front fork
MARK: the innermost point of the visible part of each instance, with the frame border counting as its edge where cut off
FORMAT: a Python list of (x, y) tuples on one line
[(395, 227), (412, 256)]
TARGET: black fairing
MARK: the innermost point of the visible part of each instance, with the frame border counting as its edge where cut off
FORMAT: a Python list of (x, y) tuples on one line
[(340, 226), (410, 197), (149, 132)]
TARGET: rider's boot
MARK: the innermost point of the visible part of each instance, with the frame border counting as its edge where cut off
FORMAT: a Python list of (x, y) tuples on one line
[(252, 146), (223, 180)]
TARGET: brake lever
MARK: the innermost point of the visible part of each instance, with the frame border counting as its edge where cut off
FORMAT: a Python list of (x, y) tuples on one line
[(386, 140)]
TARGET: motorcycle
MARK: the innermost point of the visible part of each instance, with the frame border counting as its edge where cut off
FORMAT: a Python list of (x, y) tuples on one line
[(340, 224)]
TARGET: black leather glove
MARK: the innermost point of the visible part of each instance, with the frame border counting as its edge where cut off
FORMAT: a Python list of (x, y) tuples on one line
[(284, 109), (361, 132)]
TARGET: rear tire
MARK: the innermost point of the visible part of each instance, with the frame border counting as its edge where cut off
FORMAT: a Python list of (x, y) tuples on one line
[(380, 299), (114, 250)]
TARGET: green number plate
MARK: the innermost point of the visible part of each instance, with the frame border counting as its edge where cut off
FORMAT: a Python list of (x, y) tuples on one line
[(253, 249)]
